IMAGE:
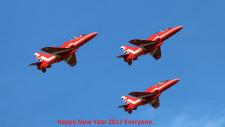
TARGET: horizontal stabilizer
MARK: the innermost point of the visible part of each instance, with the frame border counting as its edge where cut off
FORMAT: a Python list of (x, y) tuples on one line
[(123, 56), (121, 106), (35, 64)]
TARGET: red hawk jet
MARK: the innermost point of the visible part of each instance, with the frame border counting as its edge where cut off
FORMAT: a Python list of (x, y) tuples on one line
[(149, 96), (64, 52), (149, 46)]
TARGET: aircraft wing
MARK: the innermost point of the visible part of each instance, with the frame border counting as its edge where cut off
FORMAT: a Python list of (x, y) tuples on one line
[(156, 53), (155, 103), (142, 95), (71, 60), (57, 51), (142, 43)]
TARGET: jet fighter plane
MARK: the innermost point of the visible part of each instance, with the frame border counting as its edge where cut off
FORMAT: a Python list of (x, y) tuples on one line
[(149, 96), (149, 46), (64, 52)]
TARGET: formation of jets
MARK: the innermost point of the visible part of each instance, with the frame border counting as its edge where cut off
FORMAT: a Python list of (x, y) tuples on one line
[(152, 45)]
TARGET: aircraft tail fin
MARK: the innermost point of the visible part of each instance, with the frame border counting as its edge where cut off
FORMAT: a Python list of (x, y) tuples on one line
[(130, 103), (130, 53), (41, 57)]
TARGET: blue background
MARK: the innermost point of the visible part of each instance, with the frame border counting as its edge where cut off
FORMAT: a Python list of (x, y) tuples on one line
[(93, 88)]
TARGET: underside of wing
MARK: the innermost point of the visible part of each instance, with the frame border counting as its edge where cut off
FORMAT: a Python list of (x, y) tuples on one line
[(155, 103), (141, 95), (156, 53), (57, 51), (71, 60), (142, 43)]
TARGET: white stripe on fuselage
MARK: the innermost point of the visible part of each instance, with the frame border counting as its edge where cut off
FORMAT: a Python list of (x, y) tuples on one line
[(165, 34), (129, 100), (44, 58), (134, 52), (158, 88), (131, 51), (79, 40)]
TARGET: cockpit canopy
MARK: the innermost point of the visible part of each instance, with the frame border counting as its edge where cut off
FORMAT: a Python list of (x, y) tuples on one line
[(82, 35), (79, 36), (165, 29), (161, 82)]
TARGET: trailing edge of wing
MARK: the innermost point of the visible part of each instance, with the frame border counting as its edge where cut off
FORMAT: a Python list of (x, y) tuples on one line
[(141, 95), (122, 56), (54, 49), (141, 43), (57, 51)]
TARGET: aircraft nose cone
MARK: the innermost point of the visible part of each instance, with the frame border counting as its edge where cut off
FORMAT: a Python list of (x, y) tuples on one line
[(176, 80), (94, 33), (179, 28)]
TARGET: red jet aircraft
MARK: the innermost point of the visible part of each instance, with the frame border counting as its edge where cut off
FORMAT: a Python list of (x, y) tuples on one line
[(149, 46), (149, 96), (65, 52)]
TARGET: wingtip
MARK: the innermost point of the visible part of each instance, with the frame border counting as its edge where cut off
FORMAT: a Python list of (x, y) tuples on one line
[(177, 79), (130, 93), (43, 49), (133, 40)]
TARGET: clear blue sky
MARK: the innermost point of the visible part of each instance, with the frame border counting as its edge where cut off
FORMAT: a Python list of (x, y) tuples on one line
[(93, 88)]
